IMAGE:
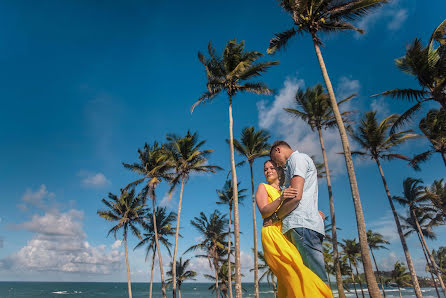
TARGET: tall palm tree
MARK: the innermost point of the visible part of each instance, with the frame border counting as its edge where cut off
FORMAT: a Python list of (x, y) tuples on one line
[(326, 16), (436, 193), (213, 231), (267, 273), (225, 197), (423, 217), (165, 230), (223, 283), (378, 142), (182, 273), (352, 252), (376, 241), (427, 65), (413, 195), (313, 107), (433, 127), (229, 73), (400, 276), (252, 145), (154, 165), (188, 158), (128, 211)]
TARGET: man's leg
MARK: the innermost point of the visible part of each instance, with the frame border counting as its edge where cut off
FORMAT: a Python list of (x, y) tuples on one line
[(309, 244)]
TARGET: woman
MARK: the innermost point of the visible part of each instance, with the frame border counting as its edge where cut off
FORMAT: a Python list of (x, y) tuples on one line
[(294, 279)]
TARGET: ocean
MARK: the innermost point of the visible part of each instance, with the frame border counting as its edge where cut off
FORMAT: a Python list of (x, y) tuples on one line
[(109, 290)]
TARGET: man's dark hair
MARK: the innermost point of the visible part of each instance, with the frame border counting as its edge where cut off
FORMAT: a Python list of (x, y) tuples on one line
[(277, 144)]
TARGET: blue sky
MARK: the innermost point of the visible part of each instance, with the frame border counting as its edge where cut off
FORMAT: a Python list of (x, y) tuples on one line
[(84, 84)]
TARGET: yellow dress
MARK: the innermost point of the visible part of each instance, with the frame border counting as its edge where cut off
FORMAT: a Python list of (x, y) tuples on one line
[(294, 279)]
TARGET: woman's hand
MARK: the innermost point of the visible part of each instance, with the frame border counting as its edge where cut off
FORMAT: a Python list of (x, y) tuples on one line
[(289, 193)]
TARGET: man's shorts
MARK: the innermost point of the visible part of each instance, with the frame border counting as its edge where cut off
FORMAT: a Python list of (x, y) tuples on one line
[(309, 245)]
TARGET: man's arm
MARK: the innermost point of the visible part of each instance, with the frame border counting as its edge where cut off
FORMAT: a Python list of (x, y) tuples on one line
[(297, 182)]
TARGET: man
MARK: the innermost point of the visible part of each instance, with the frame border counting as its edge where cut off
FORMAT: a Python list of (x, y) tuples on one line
[(301, 222)]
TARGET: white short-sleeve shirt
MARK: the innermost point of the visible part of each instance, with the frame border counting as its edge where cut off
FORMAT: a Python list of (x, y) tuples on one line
[(306, 214)]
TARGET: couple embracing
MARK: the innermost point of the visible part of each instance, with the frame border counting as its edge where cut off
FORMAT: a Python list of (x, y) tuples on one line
[(293, 228)]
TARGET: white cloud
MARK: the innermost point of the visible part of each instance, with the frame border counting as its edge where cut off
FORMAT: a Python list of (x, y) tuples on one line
[(35, 198), (116, 244), (398, 19), (381, 107), (59, 245), (93, 180), (385, 225), (168, 201)]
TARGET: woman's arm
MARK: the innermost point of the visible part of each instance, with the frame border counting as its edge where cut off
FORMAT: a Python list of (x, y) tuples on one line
[(265, 208)]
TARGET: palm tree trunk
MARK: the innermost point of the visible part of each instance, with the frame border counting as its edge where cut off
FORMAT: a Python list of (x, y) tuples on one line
[(151, 274), (179, 292), (254, 225), (444, 158), (329, 281), (174, 261), (216, 279), (353, 280), (274, 287), (434, 265), (399, 290), (413, 275), (379, 274), (360, 284), (334, 237), (229, 253), (128, 267), (238, 274), (431, 270), (158, 248), (366, 261)]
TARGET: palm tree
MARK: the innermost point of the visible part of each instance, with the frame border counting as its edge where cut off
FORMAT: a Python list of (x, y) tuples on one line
[(352, 252), (313, 107), (213, 231), (413, 195), (377, 142), (154, 166), (424, 220), (436, 193), (400, 276), (182, 273), (267, 273), (427, 65), (188, 158), (128, 211), (440, 258), (252, 145), (326, 16), (225, 197), (327, 250), (223, 283), (433, 127), (229, 73), (165, 230), (376, 241)]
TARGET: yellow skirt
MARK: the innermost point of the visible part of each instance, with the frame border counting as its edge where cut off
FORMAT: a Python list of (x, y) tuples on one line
[(294, 279)]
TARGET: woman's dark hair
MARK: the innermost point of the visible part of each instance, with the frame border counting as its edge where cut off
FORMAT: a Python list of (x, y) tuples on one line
[(279, 171)]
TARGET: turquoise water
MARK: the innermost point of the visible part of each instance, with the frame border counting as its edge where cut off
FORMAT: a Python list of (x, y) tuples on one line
[(188, 290)]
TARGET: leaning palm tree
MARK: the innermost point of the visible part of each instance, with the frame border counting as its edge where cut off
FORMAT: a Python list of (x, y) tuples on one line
[(400, 276), (267, 273), (154, 165), (225, 197), (433, 126), (165, 230), (187, 158), (377, 142), (376, 241), (229, 73), (252, 145), (440, 258), (424, 219), (427, 65), (413, 195), (352, 252), (436, 193), (213, 231), (313, 107), (326, 16), (128, 211), (182, 273)]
